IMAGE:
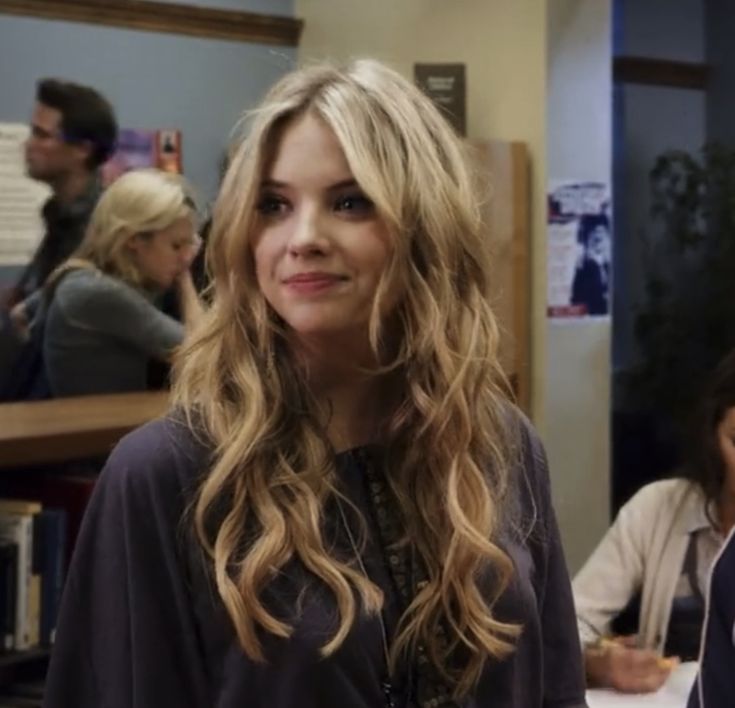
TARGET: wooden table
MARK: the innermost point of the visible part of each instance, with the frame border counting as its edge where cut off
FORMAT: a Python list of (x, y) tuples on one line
[(63, 429)]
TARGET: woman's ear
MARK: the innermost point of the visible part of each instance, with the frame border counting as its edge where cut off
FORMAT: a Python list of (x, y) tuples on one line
[(133, 243)]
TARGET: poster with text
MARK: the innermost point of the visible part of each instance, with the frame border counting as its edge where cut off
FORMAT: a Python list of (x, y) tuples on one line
[(579, 257), (144, 148), (21, 198)]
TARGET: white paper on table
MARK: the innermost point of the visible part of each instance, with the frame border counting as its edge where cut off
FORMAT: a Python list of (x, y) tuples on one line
[(673, 694), (21, 199)]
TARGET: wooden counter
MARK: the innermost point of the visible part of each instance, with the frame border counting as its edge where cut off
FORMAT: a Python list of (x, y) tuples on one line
[(40, 432)]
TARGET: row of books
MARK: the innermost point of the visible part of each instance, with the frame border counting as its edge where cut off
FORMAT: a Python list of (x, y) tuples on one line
[(32, 568), (22, 694)]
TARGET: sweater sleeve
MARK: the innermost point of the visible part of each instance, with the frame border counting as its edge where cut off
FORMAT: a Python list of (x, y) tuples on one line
[(563, 675), (614, 573), (105, 305), (32, 304), (126, 634)]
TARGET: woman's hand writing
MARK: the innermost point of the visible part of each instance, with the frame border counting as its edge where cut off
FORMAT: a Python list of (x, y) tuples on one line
[(621, 665)]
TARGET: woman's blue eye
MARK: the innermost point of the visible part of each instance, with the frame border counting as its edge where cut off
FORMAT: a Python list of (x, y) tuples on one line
[(271, 205), (354, 203)]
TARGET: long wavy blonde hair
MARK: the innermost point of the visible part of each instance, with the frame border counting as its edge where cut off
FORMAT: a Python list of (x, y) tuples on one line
[(140, 202), (447, 447)]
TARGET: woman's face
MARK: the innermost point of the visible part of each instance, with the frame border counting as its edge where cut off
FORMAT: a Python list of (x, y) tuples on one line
[(726, 439), (164, 255), (319, 246)]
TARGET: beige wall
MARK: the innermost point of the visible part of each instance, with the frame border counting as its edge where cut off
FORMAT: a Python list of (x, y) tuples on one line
[(577, 381), (503, 45), (536, 71)]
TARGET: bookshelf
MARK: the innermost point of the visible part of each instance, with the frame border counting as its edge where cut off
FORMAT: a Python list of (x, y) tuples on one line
[(21, 665), (41, 443)]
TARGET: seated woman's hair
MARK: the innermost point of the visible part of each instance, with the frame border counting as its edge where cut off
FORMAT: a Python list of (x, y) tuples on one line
[(704, 464), (138, 202), (446, 444)]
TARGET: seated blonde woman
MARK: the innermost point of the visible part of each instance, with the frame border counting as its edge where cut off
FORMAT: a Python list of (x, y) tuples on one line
[(101, 325)]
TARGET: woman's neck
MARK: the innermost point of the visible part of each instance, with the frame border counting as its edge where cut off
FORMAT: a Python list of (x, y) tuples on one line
[(72, 186), (354, 409), (352, 398)]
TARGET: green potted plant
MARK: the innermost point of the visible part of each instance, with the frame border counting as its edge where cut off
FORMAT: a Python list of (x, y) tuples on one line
[(687, 320)]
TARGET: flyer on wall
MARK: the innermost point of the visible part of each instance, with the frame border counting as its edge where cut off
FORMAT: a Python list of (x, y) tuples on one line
[(21, 198), (144, 148), (579, 251)]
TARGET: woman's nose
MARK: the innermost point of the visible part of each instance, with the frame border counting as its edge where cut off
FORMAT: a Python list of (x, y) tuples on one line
[(309, 233)]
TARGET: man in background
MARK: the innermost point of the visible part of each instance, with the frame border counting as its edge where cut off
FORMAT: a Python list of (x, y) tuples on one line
[(73, 132)]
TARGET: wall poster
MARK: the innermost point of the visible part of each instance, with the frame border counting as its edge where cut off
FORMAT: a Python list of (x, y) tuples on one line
[(144, 148), (579, 250)]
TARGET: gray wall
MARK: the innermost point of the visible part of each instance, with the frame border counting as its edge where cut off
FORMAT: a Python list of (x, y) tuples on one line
[(577, 381), (154, 80), (200, 86)]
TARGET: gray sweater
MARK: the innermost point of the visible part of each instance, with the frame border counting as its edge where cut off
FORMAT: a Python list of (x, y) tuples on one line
[(99, 334), (142, 625)]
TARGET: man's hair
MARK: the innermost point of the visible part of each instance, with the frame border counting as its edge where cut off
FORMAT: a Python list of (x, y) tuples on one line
[(704, 463), (86, 116)]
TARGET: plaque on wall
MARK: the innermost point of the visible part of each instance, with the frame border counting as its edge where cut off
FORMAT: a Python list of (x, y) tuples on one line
[(446, 85)]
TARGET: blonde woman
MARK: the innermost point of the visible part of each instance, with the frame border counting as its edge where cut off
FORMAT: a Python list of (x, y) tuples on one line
[(343, 510), (101, 325)]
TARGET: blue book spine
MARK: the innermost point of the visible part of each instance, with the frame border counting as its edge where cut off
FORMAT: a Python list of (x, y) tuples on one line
[(53, 554)]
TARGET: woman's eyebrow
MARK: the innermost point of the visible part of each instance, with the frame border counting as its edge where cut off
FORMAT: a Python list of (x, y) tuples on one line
[(273, 184), (342, 184), (278, 184)]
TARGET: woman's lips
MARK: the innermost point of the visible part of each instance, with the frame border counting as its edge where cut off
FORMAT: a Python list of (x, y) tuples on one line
[(310, 283)]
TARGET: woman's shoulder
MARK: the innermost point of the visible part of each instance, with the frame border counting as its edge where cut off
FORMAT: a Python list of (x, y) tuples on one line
[(97, 299), (78, 278), (529, 480), (667, 492), (85, 285), (163, 457), (525, 442)]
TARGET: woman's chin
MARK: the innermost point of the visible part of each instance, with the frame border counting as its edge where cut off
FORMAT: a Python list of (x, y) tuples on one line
[(318, 329)]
